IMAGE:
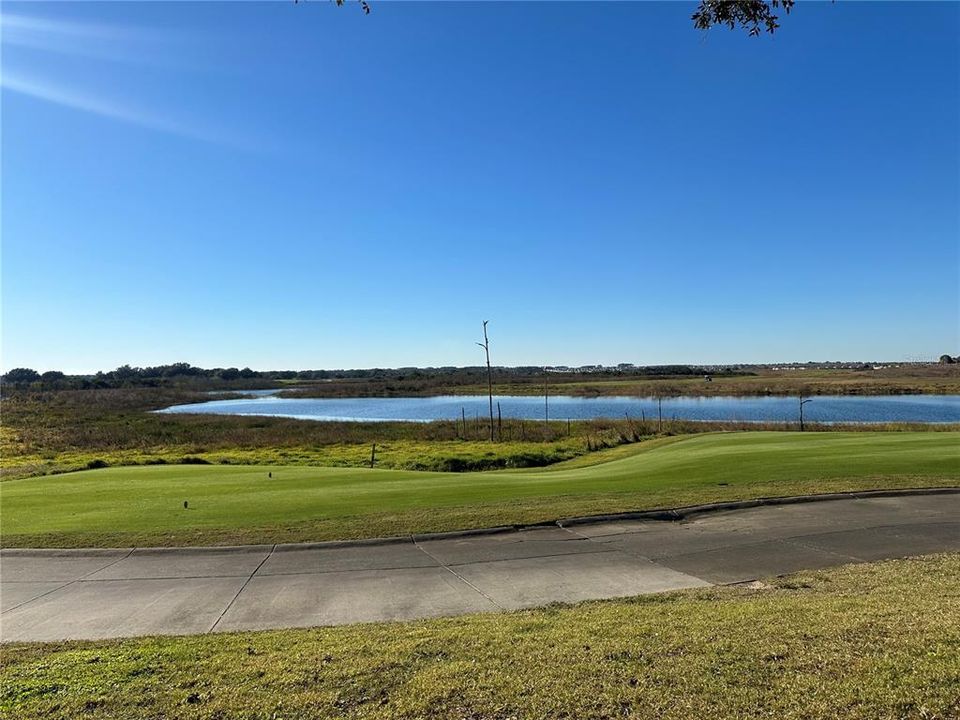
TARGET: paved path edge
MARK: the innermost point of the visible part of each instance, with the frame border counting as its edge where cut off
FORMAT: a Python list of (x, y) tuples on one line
[(682, 513), (665, 514)]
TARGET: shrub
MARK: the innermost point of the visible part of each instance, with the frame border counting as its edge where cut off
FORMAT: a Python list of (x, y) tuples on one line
[(21, 376)]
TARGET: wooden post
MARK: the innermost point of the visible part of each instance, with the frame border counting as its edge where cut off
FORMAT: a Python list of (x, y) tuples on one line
[(659, 414), (373, 454), (463, 416), (499, 422)]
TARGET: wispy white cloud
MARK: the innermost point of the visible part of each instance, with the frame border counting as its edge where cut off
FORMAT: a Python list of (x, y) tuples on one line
[(78, 101), (13, 22), (84, 102), (99, 41), (116, 43)]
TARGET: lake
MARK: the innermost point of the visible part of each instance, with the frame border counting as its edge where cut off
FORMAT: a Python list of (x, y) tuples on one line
[(823, 408)]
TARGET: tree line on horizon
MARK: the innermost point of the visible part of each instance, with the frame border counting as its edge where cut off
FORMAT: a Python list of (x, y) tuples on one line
[(185, 373)]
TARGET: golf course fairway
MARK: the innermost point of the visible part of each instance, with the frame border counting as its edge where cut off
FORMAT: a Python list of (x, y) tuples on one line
[(232, 504)]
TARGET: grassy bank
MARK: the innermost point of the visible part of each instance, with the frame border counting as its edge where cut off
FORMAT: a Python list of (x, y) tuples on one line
[(436, 455), (242, 504), (63, 431), (904, 380), (864, 641)]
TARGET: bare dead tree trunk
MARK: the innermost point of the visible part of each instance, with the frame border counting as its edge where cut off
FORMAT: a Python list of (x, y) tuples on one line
[(546, 407), (659, 414), (499, 423), (373, 455), (486, 348), (802, 403)]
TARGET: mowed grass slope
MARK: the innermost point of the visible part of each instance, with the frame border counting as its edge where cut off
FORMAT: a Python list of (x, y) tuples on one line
[(236, 504), (862, 641)]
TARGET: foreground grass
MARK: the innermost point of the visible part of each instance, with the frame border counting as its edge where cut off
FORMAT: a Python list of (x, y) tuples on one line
[(861, 641), (237, 505)]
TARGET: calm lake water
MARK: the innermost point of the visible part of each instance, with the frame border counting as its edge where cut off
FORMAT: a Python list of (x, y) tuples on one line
[(823, 408)]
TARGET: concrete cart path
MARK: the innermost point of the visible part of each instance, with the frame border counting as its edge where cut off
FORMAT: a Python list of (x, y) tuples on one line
[(61, 594)]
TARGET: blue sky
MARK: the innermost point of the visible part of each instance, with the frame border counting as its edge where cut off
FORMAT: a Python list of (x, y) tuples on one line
[(303, 186)]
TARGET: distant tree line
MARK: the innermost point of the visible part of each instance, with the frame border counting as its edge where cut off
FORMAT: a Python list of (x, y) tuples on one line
[(127, 376), (187, 374)]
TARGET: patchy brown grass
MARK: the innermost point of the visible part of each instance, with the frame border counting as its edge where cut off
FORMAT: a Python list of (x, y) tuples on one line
[(855, 642)]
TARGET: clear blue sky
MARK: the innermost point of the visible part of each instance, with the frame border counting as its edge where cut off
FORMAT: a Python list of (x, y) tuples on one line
[(302, 186)]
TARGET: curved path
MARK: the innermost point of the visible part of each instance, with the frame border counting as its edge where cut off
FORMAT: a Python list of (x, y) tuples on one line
[(61, 594)]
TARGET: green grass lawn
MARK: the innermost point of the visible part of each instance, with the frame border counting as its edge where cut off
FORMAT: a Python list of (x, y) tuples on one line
[(240, 504), (863, 641)]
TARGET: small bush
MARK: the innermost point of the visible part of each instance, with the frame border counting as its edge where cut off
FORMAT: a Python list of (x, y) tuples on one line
[(97, 464), (189, 460)]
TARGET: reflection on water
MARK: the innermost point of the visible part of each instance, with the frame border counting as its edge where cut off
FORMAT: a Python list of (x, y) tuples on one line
[(824, 408)]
